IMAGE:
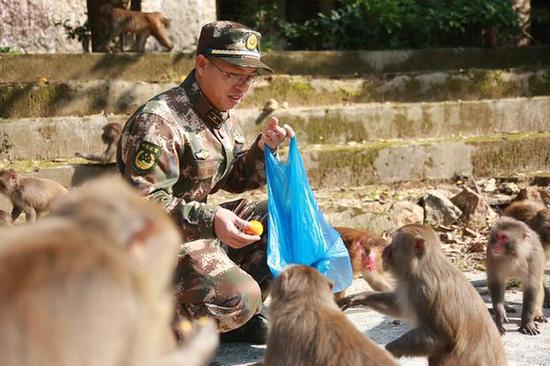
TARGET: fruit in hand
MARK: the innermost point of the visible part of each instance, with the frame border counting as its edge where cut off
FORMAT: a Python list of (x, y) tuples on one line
[(255, 228)]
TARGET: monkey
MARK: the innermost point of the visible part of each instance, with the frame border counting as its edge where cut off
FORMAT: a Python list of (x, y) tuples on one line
[(30, 195), (110, 136), (5, 218), (89, 285), (537, 217), (307, 328), (451, 324), (365, 251), (142, 24), (514, 250)]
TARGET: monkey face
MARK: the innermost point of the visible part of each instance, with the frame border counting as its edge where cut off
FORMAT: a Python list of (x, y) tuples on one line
[(500, 244)]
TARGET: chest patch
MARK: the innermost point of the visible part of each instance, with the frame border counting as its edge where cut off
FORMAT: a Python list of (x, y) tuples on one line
[(146, 157)]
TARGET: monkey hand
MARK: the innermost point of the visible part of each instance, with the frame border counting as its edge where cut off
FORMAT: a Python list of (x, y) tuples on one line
[(530, 328), (353, 300), (230, 229)]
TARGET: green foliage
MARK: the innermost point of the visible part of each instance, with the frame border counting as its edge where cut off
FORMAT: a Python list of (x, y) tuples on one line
[(9, 50), (387, 24), (81, 33)]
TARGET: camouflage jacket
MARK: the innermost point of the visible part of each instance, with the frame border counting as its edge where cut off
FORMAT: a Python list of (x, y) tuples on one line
[(177, 149)]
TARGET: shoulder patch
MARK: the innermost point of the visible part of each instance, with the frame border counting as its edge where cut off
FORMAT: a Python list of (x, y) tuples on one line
[(146, 157)]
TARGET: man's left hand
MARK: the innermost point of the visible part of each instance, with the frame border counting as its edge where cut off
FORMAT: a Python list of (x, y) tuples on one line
[(273, 135)]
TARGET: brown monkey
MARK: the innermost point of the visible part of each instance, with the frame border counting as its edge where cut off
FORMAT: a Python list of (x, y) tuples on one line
[(365, 251), (537, 216), (90, 285), (307, 328), (5, 218), (514, 250), (110, 136), (451, 325), (32, 196), (119, 21)]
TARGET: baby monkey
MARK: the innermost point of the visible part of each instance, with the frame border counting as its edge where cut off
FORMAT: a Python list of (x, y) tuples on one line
[(514, 250)]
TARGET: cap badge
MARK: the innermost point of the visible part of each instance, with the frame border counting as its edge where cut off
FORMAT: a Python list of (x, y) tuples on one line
[(252, 42)]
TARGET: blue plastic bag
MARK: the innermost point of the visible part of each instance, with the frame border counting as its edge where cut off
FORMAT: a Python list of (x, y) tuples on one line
[(297, 231)]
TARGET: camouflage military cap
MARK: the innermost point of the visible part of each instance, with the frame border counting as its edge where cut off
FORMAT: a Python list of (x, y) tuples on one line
[(232, 42)]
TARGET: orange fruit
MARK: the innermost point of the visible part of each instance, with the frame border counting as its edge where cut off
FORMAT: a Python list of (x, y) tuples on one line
[(255, 228)]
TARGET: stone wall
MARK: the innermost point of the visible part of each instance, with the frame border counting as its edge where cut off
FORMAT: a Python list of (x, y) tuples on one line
[(29, 25)]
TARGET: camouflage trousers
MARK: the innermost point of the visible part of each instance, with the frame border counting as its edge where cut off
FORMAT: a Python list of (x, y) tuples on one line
[(214, 280)]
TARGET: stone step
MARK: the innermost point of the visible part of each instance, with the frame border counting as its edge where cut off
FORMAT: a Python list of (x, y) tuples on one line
[(163, 67), (61, 137), (387, 162), (76, 97)]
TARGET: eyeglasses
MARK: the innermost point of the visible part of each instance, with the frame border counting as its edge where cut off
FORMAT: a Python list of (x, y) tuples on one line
[(236, 79)]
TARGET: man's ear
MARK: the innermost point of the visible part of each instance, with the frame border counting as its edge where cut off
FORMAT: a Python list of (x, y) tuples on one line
[(200, 64)]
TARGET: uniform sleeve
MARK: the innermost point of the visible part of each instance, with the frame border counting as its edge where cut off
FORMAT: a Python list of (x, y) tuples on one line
[(150, 151), (248, 170)]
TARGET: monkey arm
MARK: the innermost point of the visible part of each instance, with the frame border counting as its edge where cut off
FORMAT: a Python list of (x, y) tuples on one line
[(15, 213), (420, 341), (497, 289), (530, 308), (383, 302)]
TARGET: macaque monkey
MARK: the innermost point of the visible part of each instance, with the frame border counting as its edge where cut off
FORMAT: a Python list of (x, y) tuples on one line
[(537, 216), (89, 285), (5, 218), (32, 196), (365, 251), (451, 324), (307, 328), (110, 136), (514, 250), (120, 21)]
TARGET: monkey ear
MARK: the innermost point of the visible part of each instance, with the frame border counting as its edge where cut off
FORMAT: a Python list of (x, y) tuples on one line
[(330, 284), (12, 174), (419, 246), (137, 245)]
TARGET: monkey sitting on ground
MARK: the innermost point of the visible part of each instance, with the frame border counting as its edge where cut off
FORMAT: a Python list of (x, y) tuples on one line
[(307, 328), (89, 285), (365, 251), (537, 216), (514, 250), (5, 218), (32, 196), (110, 136), (451, 324), (119, 21)]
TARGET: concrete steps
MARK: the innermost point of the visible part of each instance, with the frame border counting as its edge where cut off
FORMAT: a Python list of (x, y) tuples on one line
[(360, 117), (61, 137), (46, 98), (386, 162)]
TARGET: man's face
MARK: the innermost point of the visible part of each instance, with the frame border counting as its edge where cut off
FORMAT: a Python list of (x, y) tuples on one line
[(224, 84)]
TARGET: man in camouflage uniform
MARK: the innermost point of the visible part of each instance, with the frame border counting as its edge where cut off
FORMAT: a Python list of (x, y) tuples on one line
[(185, 144)]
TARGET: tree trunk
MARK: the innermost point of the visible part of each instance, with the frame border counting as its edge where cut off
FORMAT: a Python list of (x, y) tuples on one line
[(523, 8), (97, 26)]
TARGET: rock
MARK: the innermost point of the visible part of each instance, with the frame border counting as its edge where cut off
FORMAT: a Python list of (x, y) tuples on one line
[(490, 185), (439, 209), (510, 188), (475, 210), (405, 212)]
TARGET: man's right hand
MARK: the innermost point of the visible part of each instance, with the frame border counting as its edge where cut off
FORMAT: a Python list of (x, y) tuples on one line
[(229, 228)]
